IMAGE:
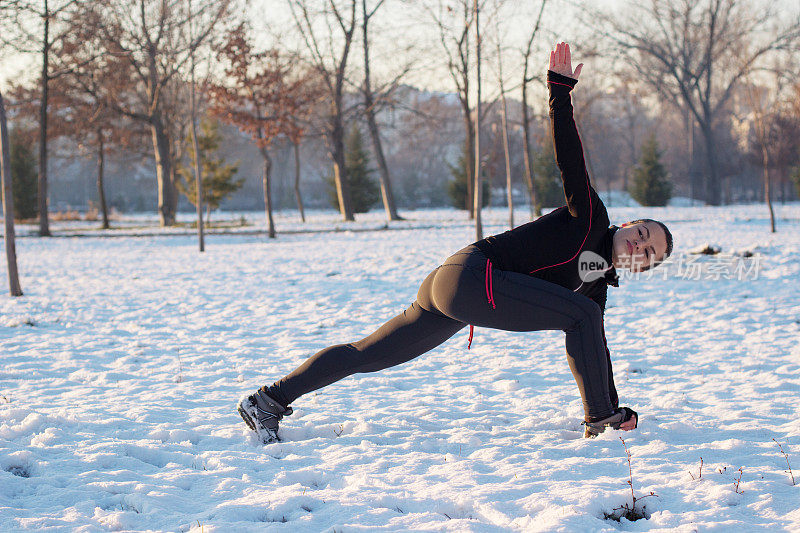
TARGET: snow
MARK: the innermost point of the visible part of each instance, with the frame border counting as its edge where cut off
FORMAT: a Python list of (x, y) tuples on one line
[(123, 362)]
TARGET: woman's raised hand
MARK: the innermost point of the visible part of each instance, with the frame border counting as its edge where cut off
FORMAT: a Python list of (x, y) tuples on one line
[(561, 62)]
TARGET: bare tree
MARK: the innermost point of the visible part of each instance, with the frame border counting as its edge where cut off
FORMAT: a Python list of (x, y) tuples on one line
[(536, 209), (77, 114), (454, 29), (369, 111), (298, 197), (265, 96), (758, 98), (37, 27), (198, 173), (694, 53), (153, 37), (504, 127), (587, 115), (786, 140), (8, 205), (298, 109), (633, 116), (767, 130), (332, 67), (478, 189)]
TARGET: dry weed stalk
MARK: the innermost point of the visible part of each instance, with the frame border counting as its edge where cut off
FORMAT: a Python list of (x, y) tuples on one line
[(631, 513), (701, 471), (786, 456), (738, 480)]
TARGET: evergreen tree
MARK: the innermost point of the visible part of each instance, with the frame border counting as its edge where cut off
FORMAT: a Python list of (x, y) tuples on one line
[(549, 187), (25, 178), (457, 189), (218, 178), (650, 185), (364, 190)]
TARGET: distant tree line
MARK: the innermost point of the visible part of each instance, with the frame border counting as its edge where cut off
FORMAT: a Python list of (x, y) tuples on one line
[(700, 85)]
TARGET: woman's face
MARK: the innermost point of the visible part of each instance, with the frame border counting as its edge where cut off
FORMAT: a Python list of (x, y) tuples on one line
[(637, 246)]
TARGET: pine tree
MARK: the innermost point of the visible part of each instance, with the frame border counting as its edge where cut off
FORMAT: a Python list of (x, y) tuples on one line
[(364, 190), (650, 185), (218, 178), (457, 189), (549, 188), (24, 174)]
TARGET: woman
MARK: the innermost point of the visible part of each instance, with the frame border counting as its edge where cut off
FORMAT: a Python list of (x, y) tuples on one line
[(549, 274)]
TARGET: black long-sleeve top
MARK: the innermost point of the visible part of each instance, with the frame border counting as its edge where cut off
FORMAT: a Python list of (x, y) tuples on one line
[(550, 246)]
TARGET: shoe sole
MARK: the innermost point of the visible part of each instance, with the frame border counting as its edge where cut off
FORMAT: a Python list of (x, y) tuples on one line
[(265, 439), (246, 417)]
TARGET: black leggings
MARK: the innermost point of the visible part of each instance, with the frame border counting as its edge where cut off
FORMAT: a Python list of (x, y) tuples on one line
[(458, 293)]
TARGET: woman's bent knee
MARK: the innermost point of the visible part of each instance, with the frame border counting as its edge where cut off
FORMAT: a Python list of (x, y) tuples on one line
[(586, 312)]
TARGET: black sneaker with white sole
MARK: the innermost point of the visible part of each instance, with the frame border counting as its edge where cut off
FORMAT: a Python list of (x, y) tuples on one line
[(261, 414)]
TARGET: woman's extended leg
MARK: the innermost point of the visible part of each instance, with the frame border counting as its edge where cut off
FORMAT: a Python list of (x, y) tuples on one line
[(404, 337), (461, 290)]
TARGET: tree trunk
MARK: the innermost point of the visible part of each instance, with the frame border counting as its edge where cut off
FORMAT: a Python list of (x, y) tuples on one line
[(8, 205), (339, 168), (767, 195), (535, 208), (101, 193), (478, 184), (509, 192), (198, 168), (44, 221), (469, 152), (782, 186), (198, 183), (297, 181), (267, 192), (386, 183), (504, 125), (369, 108), (690, 149), (166, 189), (713, 188)]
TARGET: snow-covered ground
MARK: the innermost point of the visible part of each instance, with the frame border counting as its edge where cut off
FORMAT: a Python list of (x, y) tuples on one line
[(122, 364)]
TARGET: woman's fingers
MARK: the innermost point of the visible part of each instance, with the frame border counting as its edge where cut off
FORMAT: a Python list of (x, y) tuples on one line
[(561, 61), (628, 425)]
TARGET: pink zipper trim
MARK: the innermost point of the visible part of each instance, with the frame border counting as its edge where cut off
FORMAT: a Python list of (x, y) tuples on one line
[(489, 297), (557, 83), (489, 290)]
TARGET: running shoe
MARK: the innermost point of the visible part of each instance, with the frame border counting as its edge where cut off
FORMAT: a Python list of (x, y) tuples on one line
[(261, 414)]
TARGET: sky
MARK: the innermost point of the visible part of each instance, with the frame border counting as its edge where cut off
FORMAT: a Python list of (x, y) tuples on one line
[(406, 35)]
